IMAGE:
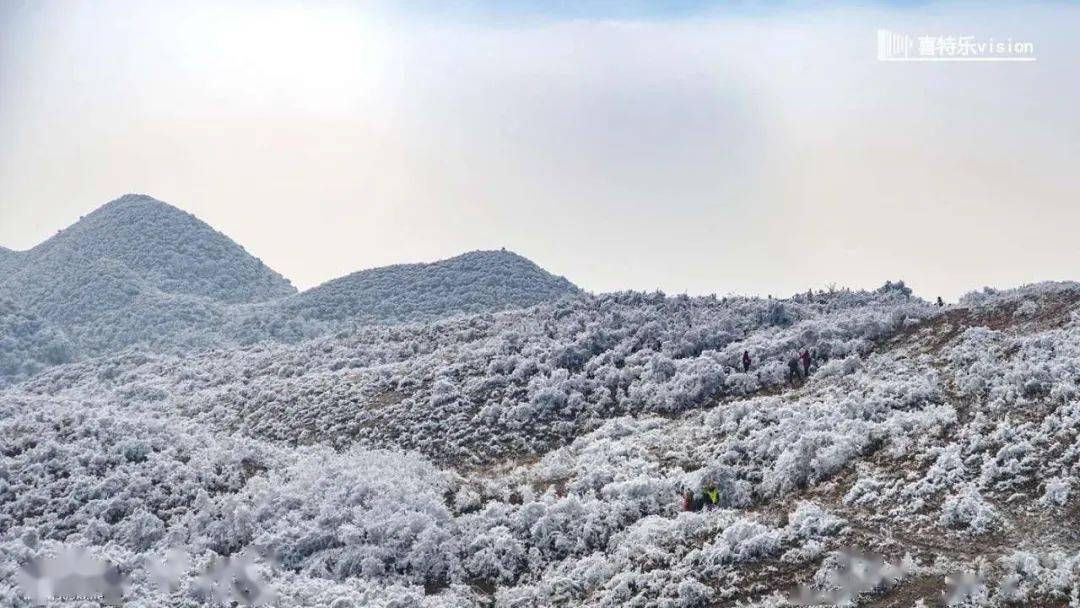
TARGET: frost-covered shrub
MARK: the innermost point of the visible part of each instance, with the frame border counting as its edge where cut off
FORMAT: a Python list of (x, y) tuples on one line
[(1028, 577), (141, 530), (840, 367), (742, 541), (496, 556), (671, 387), (865, 491), (968, 510), (1027, 309), (898, 288), (741, 384), (809, 521), (947, 471), (1057, 491)]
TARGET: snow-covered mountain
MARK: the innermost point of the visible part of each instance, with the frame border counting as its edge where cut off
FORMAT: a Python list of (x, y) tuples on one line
[(138, 272), (539, 457), (168, 249), (478, 281)]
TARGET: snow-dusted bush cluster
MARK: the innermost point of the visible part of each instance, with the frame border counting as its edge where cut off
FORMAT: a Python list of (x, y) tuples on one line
[(1028, 576), (132, 483), (968, 510), (1022, 437), (990, 297)]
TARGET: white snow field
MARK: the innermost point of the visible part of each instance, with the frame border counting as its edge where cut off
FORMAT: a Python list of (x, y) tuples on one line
[(480, 433)]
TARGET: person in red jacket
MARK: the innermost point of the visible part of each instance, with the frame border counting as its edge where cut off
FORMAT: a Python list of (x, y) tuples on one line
[(746, 361), (805, 358)]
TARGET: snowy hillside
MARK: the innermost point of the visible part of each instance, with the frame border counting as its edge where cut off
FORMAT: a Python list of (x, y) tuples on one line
[(9, 260), (478, 281), (539, 457)]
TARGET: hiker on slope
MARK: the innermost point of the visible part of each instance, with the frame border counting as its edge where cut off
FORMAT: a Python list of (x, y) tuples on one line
[(712, 497), (793, 370), (746, 361), (805, 358)]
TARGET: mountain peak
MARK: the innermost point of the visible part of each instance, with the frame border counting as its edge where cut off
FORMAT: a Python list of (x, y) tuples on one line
[(134, 198), (130, 205), (492, 254), (172, 249)]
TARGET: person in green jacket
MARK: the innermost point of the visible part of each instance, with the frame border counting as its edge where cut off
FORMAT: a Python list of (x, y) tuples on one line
[(712, 497)]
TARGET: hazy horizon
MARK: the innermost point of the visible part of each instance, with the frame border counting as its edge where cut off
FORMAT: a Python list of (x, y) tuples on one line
[(755, 150)]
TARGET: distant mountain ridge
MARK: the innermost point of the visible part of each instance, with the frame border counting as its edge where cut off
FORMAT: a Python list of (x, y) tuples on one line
[(140, 272), (474, 282)]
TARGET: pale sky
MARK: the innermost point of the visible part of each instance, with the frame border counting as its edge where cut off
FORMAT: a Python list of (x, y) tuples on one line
[(761, 149)]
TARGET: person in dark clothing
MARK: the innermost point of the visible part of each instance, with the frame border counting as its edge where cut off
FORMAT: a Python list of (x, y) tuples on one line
[(793, 370), (940, 302), (746, 361), (699, 501), (805, 358)]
